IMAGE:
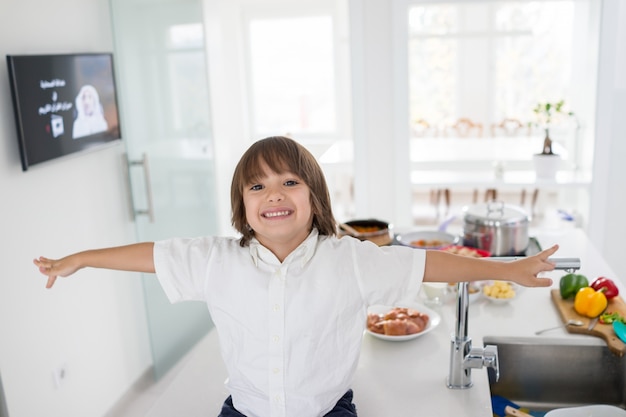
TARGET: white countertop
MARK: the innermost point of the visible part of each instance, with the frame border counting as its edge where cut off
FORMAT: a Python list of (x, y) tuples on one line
[(409, 378)]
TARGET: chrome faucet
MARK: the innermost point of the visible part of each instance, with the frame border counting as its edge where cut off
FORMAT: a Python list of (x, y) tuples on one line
[(464, 357)]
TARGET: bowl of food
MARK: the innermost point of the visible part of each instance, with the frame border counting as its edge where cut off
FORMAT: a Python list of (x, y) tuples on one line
[(428, 239), (398, 324), (466, 251), (374, 230), (499, 292), (474, 290)]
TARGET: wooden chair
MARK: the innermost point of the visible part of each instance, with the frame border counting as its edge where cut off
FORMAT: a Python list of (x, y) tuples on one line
[(508, 127), (421, 128), (533, 200), (435, 199), (465, 128)]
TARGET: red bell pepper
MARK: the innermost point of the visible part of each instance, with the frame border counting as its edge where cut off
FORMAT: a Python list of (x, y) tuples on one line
[(605, 285)]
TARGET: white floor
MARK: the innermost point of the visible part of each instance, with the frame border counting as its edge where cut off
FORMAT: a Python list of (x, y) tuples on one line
[(194, 387)]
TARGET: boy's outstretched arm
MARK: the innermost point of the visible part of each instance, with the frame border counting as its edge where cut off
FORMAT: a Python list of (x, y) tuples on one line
[(446, 267), (136, 257)]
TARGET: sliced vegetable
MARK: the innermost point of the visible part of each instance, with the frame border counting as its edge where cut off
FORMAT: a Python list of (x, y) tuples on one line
[(570, 284), (589, 302), (606, 285), (609, 318)]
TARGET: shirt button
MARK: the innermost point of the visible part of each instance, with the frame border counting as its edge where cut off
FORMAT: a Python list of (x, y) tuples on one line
[(276, 307), (277, 399), (276, 370), (276, 338)]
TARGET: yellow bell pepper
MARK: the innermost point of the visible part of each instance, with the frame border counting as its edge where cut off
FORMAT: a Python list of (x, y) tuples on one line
[(589, 302)]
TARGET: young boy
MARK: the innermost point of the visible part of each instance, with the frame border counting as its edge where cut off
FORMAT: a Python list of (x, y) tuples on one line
[(288, 298)]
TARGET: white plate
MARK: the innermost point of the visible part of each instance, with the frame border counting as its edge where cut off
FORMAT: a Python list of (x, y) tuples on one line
[(588, 411), (406, 238), (433, 321)]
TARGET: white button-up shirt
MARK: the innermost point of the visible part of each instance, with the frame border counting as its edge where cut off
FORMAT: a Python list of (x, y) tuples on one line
[(290, 332)]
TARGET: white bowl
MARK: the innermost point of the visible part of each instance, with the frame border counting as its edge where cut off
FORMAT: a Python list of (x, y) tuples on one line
[(498, 300), (473, 296), (433, 321), (433, 239)]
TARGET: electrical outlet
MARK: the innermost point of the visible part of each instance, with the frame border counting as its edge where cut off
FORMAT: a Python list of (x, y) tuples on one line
[(59, 375)]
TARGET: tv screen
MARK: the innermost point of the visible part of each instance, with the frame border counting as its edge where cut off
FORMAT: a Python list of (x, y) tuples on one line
[(63, 104)]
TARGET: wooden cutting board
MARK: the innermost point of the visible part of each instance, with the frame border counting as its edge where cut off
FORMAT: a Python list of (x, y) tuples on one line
[(604, 331)]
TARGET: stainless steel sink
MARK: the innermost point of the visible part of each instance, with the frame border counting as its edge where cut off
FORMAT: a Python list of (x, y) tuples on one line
[(542, 374)]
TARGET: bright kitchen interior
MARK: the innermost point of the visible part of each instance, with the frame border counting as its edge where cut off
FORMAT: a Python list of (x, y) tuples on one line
[(357, 98), (380, 102)]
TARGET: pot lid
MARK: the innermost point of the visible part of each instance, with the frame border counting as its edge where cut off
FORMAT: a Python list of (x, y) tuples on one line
[(495, 213)]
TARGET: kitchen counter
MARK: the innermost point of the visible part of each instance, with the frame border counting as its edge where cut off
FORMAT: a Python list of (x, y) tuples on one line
[(409, 378)]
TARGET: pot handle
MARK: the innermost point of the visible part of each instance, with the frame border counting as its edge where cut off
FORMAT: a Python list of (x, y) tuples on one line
[(495, 206)]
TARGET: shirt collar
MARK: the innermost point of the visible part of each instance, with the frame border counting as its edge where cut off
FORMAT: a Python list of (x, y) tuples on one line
[(301, 255)]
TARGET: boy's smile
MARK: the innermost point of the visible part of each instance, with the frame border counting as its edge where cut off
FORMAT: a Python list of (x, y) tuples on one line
[(271, 214), (278, 209)]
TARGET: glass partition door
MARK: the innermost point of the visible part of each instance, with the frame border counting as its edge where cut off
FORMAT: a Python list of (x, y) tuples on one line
[(161, 71)]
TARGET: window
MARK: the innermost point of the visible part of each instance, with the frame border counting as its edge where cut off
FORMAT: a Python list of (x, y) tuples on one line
[(298, 76), (298, 72), (186, 69), (488, 61), (292, 75)]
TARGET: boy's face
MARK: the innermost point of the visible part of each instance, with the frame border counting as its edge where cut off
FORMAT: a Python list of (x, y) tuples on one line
[(278, 208)]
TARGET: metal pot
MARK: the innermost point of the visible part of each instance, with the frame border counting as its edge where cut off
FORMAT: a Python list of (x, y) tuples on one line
[(499, 228)]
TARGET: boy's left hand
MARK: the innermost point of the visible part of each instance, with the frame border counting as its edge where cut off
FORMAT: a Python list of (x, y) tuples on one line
[(532, 266)]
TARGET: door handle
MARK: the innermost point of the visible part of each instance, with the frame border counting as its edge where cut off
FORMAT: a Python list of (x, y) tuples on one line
[(149, 211)]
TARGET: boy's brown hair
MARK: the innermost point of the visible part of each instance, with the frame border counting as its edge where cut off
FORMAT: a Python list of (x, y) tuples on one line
[(281, 155)]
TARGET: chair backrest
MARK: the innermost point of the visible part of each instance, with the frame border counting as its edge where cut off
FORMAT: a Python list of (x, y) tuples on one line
[(465, 128), (509, 127), (421, 128)]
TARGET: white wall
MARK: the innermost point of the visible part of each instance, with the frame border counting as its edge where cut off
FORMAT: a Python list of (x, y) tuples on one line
[(95, 324), (607, 224), (380, 110)]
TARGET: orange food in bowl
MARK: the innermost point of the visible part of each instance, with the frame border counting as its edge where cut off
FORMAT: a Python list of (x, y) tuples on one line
[(366, 229), (433, 243), (376, 231)]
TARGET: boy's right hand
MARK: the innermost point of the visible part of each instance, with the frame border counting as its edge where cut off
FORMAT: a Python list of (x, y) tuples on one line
[(54, 268)]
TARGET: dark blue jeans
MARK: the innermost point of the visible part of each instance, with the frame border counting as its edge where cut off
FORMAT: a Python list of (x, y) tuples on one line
[(344, 408)]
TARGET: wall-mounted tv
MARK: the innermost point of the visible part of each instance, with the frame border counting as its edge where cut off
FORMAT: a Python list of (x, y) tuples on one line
[(63, 104)]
